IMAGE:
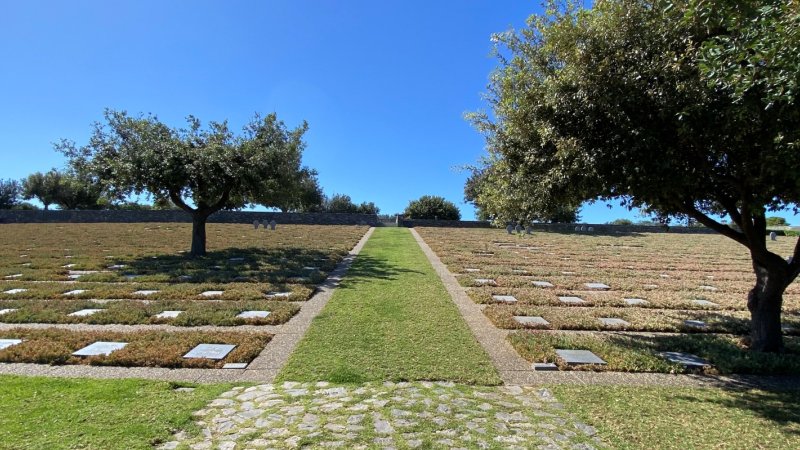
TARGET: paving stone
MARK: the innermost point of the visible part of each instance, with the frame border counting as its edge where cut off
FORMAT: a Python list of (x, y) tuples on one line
[(613, 322), (685, 359), (74, 292), (211, 293), (504, 298), (15, 291), (545, 284), (7, 310), (5, 343), (100, 348), (85, 312), (571, 300), (531, 320), (597, 286), (146, 292), (707, 303), (253, 314), (210, 351), (168, 314), (578, 357), (636, 301)]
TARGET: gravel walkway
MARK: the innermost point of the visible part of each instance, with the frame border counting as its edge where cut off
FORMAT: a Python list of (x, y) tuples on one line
[(387, 415), (262, 369)]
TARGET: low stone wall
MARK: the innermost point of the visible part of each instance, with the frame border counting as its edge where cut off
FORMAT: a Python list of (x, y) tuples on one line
[(561, 227), (411, 223), (130, 216)]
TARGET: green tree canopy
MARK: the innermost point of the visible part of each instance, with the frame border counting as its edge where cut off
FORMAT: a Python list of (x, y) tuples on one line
[(625, 101), (432, 207), (777, 222), (9, 193), (341, 203), (44, 187), (200, 169)]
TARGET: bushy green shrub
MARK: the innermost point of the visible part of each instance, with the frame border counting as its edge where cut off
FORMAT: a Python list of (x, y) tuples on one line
[(432, 207)]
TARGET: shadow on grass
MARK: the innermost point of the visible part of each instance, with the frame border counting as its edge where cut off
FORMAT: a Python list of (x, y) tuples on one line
[(367, 268), (274, 265)]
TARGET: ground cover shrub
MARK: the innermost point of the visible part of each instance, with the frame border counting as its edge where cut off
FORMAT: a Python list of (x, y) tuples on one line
[(639, 353), (144, 349)]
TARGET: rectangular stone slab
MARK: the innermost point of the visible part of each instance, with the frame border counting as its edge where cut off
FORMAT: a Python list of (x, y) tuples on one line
[(613, 322), (504, 298), (636, 301), (571, 300), (544, 366), (235, 366), (685, 359), (578, 357), (597, 286), (253, 314), (708, 288), (472, 270), (75, 292), (484, 281), (278, 294), (542, 283), (531, 320), (14, 291), (5, 343), (7, 310), (100, 348), (85, 312), (146, 292), (168, 314), (16, 275), (695, 323), (211, 293), (210, 351), (705, 303)]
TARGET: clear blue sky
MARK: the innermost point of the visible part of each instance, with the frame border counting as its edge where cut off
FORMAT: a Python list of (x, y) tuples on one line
[(384, 85)]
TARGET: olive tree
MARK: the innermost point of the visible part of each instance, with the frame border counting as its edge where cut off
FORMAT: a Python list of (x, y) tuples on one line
[(432, 207), (201, 170), (683, 108)]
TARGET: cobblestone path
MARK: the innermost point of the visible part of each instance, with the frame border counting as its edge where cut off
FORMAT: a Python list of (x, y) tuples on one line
[(386, 416)]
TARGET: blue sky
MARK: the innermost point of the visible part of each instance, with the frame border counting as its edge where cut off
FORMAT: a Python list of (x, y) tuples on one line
[(383, 85)]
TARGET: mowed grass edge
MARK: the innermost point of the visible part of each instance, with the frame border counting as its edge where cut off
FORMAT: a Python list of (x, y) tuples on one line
[(630, 417), (58, 413), (390, 319)]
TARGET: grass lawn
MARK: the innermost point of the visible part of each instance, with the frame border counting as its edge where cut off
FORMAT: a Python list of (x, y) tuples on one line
[(390, 319), (57, 413), (687, 418)]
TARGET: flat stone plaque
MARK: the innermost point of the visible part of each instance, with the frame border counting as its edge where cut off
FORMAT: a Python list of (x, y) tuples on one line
[(544, 366), (695, 323), (685, 359), (7, 310), (85, 312), (708, 288), (571, 300), (470, 270), (100, 348), (579, 357), (504, 298), (485, 281), (211, 293), (663, 275), (531, 320), (69, 266), (650, 286), (567, 273), (5, 343), (310, 268), (168, 314), (75, 292), (545, 284), (597, 286), (16, 275), (117, 266), (279, 294), (613, 322), (705, 303), (14, 291), (210, 351), (235, 366), (636, 301), (236, 259), (253, 314), (146, 292)]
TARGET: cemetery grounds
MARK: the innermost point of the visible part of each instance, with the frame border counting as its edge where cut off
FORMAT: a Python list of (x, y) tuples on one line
[(390, 361)]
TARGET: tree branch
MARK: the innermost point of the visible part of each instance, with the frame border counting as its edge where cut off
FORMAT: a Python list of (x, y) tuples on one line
[(725, 230), (178, 201)]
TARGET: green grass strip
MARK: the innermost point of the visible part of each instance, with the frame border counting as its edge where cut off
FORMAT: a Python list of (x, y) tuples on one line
[(686, 418), (56, 413), (390, 319)]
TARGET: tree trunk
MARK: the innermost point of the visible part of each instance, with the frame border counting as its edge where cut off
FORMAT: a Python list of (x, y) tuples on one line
[(198, 234), (764, 302)]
